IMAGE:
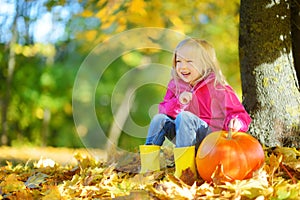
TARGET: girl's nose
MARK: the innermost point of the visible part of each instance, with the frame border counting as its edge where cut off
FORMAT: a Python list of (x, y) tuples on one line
[(184, 64), (181, 65)]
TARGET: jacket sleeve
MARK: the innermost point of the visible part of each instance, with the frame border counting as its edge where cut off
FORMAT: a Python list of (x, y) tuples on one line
[(170, 105), (235, 109)]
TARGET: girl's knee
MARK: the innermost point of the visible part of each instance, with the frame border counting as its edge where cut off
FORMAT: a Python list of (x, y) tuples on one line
[(184, 115), (159, 118)]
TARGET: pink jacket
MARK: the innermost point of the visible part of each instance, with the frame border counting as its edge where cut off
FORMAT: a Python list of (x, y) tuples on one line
[(216, 105)]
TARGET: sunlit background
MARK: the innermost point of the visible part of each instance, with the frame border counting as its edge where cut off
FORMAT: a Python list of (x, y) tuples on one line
[(43, 43)]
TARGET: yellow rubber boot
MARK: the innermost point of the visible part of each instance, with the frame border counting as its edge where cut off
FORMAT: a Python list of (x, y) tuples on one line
[(184, 158), (149, 158)]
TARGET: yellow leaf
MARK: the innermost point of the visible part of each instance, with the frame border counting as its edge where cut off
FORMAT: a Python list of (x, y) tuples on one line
[(284, 190), (11, 184), (289, 154), (87, 13), (274, 162), (100, 3), (52, 193), (90, 35), (138, 7), (250, 188), (101, 13)]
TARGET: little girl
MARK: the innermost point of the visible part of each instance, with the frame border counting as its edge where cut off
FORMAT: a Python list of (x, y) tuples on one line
[(198, 101)]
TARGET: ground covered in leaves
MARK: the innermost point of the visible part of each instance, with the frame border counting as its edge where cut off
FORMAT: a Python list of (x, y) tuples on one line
[(118, 178)]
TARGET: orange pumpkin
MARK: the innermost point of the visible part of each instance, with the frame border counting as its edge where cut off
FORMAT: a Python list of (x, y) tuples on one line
[(229, 156)]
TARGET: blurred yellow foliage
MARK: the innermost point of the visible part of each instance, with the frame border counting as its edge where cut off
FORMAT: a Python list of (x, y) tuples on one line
[(215, 21), (91, 35), (47, 50), (87, 13), (138, 7)]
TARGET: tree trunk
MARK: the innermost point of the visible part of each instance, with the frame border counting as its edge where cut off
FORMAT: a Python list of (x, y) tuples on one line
[(45, 126), (7, 95), (295, 26), (269, 81), (120, 118)]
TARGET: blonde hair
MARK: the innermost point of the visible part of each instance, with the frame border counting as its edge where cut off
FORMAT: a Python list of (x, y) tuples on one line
[(206, 61)]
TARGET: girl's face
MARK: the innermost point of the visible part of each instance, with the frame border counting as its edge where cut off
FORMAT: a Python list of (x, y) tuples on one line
[(186, 65)]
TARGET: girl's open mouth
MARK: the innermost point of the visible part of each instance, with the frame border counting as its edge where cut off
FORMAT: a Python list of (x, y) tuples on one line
[(185, 74)]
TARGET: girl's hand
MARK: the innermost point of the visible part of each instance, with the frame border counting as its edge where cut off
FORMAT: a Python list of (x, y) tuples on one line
[(185, 97), (235, 124)]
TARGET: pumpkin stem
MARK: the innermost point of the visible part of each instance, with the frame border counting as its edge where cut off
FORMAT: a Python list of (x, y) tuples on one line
[(229, 134), (230, 129)]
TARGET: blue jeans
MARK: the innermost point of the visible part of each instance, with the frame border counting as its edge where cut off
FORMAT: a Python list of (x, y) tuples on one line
[(186, 130)]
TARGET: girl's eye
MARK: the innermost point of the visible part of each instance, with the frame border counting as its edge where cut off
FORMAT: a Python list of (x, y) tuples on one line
[(178, 61), (189, 61)]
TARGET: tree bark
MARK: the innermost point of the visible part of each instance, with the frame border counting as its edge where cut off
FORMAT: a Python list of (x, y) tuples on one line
[(295, 26), (269, 81)]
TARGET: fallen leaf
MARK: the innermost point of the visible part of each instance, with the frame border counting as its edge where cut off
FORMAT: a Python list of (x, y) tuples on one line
[(45, 162), (188, 176), (11, 183), (219, 176), (35, 180), (52, 193)]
